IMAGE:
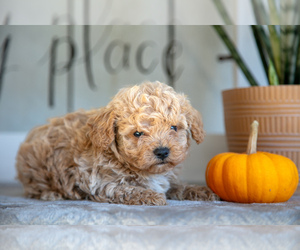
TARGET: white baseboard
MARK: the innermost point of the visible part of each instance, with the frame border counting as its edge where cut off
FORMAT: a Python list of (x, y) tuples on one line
[(193, 168)]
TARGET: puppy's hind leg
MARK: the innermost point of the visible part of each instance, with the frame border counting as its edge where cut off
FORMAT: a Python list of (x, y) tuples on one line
[(199, 193), (191, 192), (33, 164)]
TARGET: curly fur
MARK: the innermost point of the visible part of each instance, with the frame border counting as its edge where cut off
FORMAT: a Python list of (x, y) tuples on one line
[(95, 155)]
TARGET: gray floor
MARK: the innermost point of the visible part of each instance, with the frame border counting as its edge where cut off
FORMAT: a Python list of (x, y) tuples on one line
[(35, 224)]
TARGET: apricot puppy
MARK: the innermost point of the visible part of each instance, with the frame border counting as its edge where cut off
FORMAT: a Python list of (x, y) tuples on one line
[(127, 152)]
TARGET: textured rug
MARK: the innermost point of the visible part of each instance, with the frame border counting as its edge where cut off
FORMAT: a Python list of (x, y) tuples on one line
[(34, 224)]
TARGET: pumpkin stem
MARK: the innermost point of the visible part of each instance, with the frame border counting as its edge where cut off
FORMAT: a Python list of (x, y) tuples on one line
[(252, 143)]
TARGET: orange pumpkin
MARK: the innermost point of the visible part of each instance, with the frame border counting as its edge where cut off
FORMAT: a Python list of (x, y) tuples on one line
[(254, 177)]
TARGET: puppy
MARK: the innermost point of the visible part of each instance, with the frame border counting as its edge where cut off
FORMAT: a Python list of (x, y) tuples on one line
[(127, 152)]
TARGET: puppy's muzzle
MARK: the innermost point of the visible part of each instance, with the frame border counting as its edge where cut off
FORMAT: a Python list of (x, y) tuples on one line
[(161, 153)]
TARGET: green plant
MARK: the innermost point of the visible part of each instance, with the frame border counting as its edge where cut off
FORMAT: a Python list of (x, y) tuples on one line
[(277, 38)]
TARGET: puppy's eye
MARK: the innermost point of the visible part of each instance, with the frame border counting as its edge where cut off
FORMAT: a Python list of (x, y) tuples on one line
[(174, 128), (138, 134)]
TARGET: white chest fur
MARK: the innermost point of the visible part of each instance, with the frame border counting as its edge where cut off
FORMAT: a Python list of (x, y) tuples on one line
[(159, 183)]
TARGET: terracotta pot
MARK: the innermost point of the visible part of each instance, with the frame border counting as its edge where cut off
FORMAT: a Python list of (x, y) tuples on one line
[(276, 108)]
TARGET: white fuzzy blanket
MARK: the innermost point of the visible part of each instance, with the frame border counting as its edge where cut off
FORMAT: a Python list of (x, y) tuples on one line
[(35, 224)]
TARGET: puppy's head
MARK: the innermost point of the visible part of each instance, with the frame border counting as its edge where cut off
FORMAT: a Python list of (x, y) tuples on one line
[(149, 127)]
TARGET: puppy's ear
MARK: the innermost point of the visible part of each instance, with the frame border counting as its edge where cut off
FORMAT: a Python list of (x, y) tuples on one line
[(194, 121), (196, 125), (102, 128)]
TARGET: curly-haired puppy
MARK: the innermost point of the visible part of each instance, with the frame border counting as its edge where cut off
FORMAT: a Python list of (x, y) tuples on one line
[(127, 152)]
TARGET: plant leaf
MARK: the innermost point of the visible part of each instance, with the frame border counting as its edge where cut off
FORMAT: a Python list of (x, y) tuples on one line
[(288, 49), (260, 12), (274, 16), (289, 12), (296, 72), (223, 12), (275, 45), (235, 54), (273, 78), (261, 46)]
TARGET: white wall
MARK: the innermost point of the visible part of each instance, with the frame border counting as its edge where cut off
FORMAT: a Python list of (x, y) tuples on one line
[(24, 94), (23, 102), (246, 45), (25, 90), (188, 12)]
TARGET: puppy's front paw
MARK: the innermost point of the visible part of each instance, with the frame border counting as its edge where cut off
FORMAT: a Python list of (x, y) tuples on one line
[(133, 196), (197, 193), (149, 197)]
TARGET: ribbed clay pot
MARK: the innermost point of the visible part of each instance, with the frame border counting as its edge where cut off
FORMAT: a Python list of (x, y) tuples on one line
[(276, 108)]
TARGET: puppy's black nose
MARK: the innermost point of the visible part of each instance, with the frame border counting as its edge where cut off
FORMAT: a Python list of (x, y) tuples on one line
[(161, 153)]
